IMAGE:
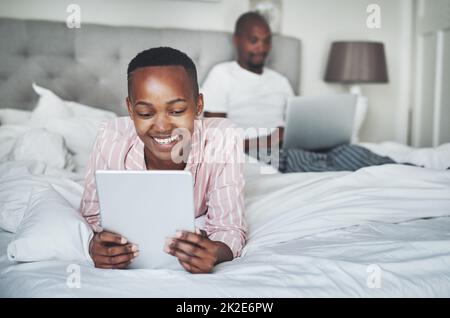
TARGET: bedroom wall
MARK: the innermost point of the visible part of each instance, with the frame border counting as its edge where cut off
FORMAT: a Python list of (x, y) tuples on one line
[(317, 23)]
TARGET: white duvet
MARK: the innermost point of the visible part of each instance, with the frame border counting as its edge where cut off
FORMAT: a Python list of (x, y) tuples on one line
[(434, 158), (332, 234), (379, 232)]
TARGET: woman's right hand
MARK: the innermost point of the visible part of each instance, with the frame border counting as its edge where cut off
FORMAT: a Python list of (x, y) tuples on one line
[(111, 250)]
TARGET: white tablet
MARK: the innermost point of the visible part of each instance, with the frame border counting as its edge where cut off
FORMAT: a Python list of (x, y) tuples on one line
[(146, 207)]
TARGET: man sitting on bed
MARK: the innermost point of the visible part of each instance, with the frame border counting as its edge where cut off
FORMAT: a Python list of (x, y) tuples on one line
[(163, 97), (254, 96), (245, 91)]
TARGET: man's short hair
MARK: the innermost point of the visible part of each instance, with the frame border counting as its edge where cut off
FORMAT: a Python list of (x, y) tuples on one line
[(163, 56), (245, 19)]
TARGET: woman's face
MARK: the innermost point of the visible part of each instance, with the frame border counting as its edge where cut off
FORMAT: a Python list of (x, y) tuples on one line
[(161, 104)]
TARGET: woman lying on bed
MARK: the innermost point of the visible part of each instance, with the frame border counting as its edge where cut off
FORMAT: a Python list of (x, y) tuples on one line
[(163, 98)]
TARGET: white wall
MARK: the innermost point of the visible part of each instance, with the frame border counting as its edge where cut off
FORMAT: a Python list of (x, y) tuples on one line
[(316, 22)]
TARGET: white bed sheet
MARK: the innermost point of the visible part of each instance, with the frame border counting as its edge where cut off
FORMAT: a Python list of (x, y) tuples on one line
[(414, 259), (311, 235)]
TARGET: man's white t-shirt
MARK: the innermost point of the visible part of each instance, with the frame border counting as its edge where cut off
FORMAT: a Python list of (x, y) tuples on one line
[(249, 99)]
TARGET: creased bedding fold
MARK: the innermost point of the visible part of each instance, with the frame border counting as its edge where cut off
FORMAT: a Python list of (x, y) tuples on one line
[(286, 207)]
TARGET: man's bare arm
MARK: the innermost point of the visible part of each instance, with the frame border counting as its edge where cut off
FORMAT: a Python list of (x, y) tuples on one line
[(209, 114), (249, 142), (270, 139)]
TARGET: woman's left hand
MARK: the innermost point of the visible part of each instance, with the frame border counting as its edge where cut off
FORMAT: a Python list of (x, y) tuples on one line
[(196, 252)]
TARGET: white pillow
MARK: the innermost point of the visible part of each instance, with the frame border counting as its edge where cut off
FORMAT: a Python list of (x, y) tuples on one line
[(42, 145), (10, 116), (50, 230), (52, 106), (76, 123), (78, 132), (80, 110), (48, 107)]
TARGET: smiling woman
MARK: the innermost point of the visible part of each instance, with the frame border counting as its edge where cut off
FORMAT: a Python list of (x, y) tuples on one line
[(164, 105)]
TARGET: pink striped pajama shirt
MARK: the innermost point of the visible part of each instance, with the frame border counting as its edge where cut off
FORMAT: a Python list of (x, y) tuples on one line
[(218, 186)]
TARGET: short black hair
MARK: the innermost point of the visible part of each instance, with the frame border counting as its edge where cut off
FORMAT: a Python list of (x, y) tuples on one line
[(163, 56), (246, 18)]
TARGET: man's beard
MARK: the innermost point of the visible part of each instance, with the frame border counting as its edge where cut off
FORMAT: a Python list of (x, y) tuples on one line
[(255, 66), (258, 65)]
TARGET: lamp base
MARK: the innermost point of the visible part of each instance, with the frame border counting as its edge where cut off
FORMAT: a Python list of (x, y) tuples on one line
[(360, 112), (355, 90)]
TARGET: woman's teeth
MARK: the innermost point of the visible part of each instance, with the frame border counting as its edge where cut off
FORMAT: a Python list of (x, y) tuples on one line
[(165, 141)]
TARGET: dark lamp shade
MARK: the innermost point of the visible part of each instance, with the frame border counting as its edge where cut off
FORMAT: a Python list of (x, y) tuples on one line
[(357, 62)]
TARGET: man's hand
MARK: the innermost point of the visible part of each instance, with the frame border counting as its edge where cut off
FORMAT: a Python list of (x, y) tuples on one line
[(111, 250), (274, 140), (196, 252), (280, 137), (209, 114)]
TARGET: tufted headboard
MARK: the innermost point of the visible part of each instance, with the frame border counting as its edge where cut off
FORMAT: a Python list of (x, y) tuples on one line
[(88, 65)]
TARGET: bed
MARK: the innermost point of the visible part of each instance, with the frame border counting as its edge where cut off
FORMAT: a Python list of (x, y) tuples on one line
[(378, 232)]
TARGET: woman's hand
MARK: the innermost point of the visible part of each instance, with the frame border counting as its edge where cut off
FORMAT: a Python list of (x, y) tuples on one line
[(111, 250), (196, 252)]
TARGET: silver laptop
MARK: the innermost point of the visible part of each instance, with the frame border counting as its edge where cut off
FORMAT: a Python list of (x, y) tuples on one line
[(320, 122), (146, 207)]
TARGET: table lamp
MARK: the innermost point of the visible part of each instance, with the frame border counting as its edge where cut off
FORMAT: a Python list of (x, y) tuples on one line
[(353, 63)]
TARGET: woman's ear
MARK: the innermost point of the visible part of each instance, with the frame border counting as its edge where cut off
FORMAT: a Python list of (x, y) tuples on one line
[(199, 108), (129, 107)]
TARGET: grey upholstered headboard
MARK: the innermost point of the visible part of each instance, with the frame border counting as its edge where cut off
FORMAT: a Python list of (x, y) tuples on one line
[(88, 65)]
